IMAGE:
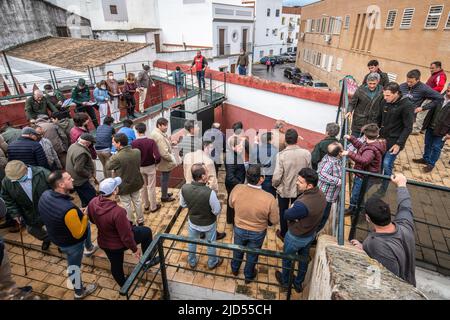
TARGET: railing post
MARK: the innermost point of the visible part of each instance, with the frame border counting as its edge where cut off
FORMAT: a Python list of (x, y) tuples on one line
[(166, 293), (56, 80), (291, 280), (125, 69), (51, 78), (210, 88), (93, 75), (162, 100)]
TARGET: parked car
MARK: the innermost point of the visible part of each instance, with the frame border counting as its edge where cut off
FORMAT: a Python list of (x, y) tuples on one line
[(302, 79), (288, 57), (320, 85), (291, 71)]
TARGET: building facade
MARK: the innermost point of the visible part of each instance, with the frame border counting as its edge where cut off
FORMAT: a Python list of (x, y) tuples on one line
[(339, 37), (290, 29)]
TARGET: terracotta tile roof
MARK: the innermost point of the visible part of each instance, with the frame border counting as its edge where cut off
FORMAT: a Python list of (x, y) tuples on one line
[(74, 54)]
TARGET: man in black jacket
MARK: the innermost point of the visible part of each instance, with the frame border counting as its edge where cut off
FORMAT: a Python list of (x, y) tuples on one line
[(28, 150), (437, 126), (364, 108), (374, 66), (397, 117), (420, 94)]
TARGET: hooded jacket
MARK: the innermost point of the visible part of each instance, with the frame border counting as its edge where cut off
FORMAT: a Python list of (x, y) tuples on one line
[(114, 228), (365, 110), (369, 156)]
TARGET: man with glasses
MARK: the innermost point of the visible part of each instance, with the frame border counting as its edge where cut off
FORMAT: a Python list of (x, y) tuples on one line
[(437, 126), (38, 104)]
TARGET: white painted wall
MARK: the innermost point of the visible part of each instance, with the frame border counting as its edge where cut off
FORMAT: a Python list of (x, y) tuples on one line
[(285, 28), (271, 42), (180, 56), (230, 28)]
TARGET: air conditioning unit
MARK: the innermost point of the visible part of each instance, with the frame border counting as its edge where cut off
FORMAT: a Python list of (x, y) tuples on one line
[(327, 38)]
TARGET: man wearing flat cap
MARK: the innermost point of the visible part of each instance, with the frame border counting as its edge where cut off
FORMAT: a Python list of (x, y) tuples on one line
[(22, 188), (81, 167), (28, 150)]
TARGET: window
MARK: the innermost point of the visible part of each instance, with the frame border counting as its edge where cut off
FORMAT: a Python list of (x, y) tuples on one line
[(277, 13), (330, 24), (434, 16), (318, 25), (318, 59), (296, 36), (324, 25), (275, 32), (308, 25), (339, 64), (298, 21), (324, 61), (282, 36), (447, 25), (283, 20), (330, 63), (281, 50), (267, 32), (271, 52), (338, 25), (347, 22), (113, 9), (313, 25), (392, 77), (407, 18), (268, 12), (261, 53), (390, 21)]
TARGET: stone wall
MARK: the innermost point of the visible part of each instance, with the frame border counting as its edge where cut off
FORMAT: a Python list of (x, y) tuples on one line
[(345, 273), (28, 20)]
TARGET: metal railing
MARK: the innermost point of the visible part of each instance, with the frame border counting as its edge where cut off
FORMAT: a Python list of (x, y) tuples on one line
[(223, 50)]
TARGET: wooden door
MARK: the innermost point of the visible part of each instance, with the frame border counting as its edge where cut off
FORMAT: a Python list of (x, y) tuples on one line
[(221, 42), (244, 40), (157, 43)]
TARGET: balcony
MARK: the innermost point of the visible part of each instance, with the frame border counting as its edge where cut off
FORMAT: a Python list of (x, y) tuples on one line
[(290, 40), (248, 47), (223, 50), (291, 27)]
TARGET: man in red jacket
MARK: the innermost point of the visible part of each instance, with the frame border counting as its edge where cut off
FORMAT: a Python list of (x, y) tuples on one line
[(438, 77), (115, 232)]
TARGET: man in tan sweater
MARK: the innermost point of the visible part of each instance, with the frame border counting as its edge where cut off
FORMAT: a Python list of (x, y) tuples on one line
[(254, 209)]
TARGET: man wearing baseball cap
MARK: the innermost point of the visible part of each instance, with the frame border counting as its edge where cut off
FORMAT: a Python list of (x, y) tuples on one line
[(22, 188), (115, 232), (81, 96)]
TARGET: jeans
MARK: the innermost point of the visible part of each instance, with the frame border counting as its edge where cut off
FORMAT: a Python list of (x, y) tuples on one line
[(356, 190), (249, 239), (201, 79), (131, 104), (433, 147), (267, 186), (326, 214), (86, 192), (74, 254), (300, 246), (283, 204), (242, 70), (388, 166), (165, 176), (178, 88), (210, 235), (143, 236)]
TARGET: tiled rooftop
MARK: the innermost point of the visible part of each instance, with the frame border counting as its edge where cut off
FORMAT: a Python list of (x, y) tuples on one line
[(74, 54)]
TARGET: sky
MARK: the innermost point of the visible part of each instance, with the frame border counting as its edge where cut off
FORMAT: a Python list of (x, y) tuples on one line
[(297, 2)]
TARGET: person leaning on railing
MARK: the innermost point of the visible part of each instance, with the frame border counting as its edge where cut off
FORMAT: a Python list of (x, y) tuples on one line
[(392, 243), (38, 104)]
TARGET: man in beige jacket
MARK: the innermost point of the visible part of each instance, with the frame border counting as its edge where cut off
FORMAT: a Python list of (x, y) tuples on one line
[(288, 164), (168, 162), (201, 156)]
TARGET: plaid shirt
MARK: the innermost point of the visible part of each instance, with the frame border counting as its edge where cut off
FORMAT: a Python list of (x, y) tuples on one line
[(330, 173)]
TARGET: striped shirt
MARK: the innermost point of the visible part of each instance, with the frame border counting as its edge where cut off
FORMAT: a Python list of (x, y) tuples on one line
[(330, 177)]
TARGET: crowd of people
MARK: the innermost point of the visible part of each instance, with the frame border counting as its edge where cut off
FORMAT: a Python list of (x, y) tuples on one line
[(43, 164)]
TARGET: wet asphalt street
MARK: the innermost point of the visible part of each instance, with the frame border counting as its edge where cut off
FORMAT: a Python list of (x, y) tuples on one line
[(259, 70)]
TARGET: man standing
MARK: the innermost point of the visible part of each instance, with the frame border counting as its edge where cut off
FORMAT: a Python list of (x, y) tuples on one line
[(200, 66), (115, 233), (149, 159), (114, 93), (38, 104), (178, 77), (126, 164), (80, 166), (217, 138), (374, 67), (168, 162), (288, 163), (143, 81), (365, 106), (437, 126), (28, 150), (396, 125), (190, 142), (251, 219), (242, 63), (418, 92), (438, 78), (22, 188), (204, 206), (52, 157), (103, 144), (321, 149), (81, 96), (304, 218), (68, 228), (55, 135), (265, 155), (392, 243)]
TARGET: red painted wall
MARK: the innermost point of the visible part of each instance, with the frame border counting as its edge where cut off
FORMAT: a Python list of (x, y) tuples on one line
[(229, 114)]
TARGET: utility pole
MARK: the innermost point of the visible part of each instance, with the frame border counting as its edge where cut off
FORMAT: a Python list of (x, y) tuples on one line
[(10, 73)]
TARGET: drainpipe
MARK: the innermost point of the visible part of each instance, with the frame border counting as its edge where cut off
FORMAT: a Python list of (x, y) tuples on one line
[(10, 73), (254, 39)]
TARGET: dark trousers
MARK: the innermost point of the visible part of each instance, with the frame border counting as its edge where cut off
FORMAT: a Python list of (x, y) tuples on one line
[(86, 192), (90, 111), (201, 79), (267, 186), (230, 211), (142, 236), (433, 147), (283, 204), (131, 104)]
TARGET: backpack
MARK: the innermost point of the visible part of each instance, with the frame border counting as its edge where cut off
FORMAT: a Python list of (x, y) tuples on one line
[(268, 62)]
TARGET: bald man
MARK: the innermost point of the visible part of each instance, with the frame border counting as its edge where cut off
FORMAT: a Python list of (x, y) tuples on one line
[(38, 104)]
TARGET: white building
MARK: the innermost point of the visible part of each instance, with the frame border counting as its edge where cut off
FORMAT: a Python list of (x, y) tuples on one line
[(290, 29)]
